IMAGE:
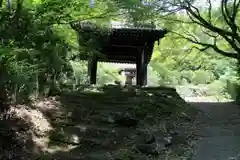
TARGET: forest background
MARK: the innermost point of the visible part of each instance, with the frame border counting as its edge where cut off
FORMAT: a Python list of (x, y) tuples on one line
[(39, 51)]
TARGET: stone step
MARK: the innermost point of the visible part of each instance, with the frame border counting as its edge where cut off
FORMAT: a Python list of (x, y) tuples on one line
[(115, 91), (118, 119), (82, 96), (62, 156), (99, 107), (107, 110), (96, 119), (126, 101), (87, 145), (100, 155), (86, 130), (76, 154), (105, 115), (79, 102), (93, 102)]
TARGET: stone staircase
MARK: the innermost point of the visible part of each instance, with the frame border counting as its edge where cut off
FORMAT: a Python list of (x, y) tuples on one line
[(115, 124)]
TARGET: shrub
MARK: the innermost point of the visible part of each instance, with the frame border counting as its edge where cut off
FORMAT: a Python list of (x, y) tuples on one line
[(232, 88), (152, 77), (187, 75), (217, 87), (203, 77)]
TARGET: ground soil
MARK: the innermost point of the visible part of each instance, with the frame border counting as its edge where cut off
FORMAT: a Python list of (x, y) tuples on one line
[(83, 126)]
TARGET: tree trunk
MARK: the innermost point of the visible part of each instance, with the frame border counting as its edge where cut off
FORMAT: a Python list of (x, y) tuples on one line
[(9, 5), (1, 3), (3, 95)]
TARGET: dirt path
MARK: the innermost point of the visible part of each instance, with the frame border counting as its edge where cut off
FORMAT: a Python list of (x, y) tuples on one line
[(219, 128)]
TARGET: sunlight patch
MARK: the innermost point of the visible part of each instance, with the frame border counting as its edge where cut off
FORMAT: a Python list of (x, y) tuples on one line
[(37, 120)]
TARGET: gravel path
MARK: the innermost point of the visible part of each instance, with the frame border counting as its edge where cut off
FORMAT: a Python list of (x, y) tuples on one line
[(219, 128)]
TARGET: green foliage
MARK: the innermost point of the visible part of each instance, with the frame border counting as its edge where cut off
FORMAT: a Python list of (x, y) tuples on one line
[(38, 47), (203, 77), (187, 75), (80, 73), (107, 73), (34, 57), (217, 87), (233, 87), (40, 52)]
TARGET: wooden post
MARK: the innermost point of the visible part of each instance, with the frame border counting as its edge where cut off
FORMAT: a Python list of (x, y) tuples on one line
[(145, 71), (140, 68), (92, 70), (145, 74), (138, 78)]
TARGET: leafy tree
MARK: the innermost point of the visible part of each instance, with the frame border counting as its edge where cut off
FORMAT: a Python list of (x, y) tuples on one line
[(218, 24)]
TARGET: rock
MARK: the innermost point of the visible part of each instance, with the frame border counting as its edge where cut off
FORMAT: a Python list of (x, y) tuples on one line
[(168, 141), (175, 139), (104, 118), (74, 139), (109, 143), (121, 119), (179, 139), (173, 133), (96, 156), (91, 142), (163, 139), (128, 154), (148, 149), (144, 138), (169, 127), (185, 117), (126, 120), (150, 139), (110, 119)]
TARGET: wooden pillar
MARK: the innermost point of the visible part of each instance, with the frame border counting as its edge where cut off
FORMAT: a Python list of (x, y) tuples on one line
[(92, 70), (146, 58), (145, 75), (140, 69)]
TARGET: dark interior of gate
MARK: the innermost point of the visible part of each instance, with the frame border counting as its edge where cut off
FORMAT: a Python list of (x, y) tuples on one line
[(120, 45)]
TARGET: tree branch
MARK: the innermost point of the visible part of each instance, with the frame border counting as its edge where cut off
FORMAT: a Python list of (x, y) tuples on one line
[(101, 16), (207, 46), (201, 21), (210, 11), (229, 36), (174, 20), (226, 15)]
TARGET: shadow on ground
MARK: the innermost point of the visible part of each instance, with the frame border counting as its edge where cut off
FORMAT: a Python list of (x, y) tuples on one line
[(110, 122)]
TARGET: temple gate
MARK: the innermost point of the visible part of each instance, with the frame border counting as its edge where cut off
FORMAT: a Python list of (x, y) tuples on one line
[(119, 45)]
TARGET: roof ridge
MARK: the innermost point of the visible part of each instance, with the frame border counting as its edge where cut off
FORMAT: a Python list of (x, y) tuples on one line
[(92, 25)]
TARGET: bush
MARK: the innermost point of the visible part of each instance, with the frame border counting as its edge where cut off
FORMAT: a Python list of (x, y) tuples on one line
[(80, 72), (187, 75), (183, 81), (232, 88), (108, 73), (153, 77), (203, 77), (217, 87)]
